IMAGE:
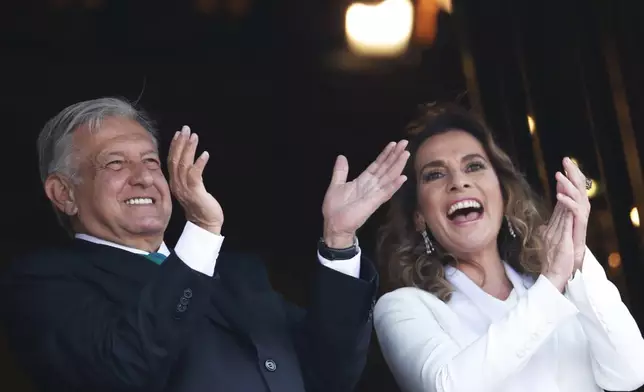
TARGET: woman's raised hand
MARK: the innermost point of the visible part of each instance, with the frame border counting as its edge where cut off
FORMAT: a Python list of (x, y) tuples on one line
[(559, 247), (571, 192)]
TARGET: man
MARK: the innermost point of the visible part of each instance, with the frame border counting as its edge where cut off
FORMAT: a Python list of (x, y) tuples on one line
[(116, 310)]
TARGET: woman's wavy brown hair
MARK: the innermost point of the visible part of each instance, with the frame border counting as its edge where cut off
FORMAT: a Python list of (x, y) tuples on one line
[(401, 250)]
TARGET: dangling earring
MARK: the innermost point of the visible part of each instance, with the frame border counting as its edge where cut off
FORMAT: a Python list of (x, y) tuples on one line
[(510, 228), (429, 247)]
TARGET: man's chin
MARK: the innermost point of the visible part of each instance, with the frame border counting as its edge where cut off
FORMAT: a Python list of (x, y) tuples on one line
[(147, 227)]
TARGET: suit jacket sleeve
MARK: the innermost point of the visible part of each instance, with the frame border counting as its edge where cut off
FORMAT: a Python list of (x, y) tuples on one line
[(616, 344), (67, 330), (423, 357), (333, 335)]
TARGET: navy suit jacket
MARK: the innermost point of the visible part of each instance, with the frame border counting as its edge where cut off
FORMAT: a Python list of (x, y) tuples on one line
[(91, 317)]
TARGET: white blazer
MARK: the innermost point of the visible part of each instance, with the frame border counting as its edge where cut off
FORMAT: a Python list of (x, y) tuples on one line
[(582, 341)]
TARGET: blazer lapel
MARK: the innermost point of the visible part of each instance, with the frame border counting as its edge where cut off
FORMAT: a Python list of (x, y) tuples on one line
[(116, 261)]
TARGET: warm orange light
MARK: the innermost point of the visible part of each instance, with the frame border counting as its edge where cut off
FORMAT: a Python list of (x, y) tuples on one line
[(614, 260), (426, 23)]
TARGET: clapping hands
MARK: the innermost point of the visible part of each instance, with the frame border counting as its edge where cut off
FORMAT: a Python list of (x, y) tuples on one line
[(565, 233)]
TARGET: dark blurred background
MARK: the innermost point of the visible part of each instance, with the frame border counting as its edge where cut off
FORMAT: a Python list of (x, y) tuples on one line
[(277, 89)]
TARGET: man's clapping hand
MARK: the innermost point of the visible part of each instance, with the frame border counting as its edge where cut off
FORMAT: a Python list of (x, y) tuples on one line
[(186, 182)]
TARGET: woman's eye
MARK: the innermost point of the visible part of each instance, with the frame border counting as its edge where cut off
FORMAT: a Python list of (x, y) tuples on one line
[(475, 166), (431, 176)]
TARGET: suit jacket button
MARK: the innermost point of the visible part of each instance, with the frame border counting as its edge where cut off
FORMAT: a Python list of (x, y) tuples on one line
[(181, 308), (270, 365), (187, 293), (184, 301)]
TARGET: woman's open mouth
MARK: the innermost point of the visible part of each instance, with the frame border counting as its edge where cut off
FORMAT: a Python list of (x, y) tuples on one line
[(464, 211)]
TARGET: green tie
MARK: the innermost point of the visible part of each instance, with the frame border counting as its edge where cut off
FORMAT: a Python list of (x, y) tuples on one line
[(157, 258)]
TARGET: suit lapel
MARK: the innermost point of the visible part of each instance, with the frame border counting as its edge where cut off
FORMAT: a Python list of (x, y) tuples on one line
[(116, 261)]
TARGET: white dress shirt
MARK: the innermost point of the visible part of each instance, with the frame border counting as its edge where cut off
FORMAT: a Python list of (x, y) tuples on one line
[(199, 249), (538, 340)]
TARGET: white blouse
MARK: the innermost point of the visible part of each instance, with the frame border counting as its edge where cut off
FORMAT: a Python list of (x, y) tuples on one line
[(538, 340)]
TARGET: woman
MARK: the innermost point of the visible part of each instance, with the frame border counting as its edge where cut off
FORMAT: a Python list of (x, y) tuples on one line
[(489, 297)]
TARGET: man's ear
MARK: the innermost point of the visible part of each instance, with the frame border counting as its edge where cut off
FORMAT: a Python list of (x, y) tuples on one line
[(61, 194), (419, 221)]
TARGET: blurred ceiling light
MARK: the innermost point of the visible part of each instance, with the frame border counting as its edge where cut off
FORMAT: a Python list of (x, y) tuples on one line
[(381, 30), (426, 24), (614, 260), (206, 6), (531, 125), (239, 7), (594, 187), (635, 217)]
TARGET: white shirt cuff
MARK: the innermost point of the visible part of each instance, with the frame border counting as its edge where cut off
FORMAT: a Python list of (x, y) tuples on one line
[(199, 248), (349, 267)]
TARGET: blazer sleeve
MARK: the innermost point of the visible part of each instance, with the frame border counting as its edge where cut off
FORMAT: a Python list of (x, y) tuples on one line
[(333, 334), (615, 341), (65, 329), (423, 357)]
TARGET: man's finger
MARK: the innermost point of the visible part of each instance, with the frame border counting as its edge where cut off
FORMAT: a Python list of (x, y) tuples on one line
[(188, 154), (176, 151), (200, 164), (340, 171)]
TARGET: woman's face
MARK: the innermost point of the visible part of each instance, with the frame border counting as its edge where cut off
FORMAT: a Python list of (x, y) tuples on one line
[(459, 194)]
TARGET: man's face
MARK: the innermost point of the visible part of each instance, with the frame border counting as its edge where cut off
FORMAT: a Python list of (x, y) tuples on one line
[(123, 195)]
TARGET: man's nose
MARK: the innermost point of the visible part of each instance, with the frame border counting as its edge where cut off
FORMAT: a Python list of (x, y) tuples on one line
[(141, 175)]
